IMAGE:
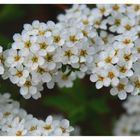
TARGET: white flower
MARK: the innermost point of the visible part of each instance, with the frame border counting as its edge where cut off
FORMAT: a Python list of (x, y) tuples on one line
[(41, 74), (100, 78), (85, 52), (107, 58), (24, 44), (18, 75), (72, 36), (57, 37), (127, 25), (124, 70), (48, 126), (126, 40), (122, 89), (29, 88), (34, 61), (126, 56), (17, 128), (64, 80), (116, 22), (135, 79), (33, 127), (69, 55), (104, 9), (117, 8), (16, 122), (14, 58), (52, 60), (112, 74), (64, 128), (136, 49), (43, 46), (132, 105)]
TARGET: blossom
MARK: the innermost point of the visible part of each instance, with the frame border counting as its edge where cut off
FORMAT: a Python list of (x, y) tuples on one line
[(14, 121), (122, 89), (18, 75)]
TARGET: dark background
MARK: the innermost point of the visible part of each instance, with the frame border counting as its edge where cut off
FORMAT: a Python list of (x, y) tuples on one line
[(94, 111)]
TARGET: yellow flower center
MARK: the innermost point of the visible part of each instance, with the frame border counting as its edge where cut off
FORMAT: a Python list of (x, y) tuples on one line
[(19, 133), (56, 39), (111, 75), (120, 87), (83, 53), (19, 73), (73, 38)]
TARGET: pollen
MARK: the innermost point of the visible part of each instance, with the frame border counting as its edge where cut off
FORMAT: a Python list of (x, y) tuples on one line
[(127, 57), (102, 10), (17, 58), (116, 7), (68, 53), (56, 39), (35, 59), (127, 41), (117, 22), (33, 128), (49, 57), (100, 78), (73, 38), (47, 127), (27, 44), (43, 45), (28, 84), (111, 75), (128, 27), (108, 60), (19, 133), (120, 87), (83, 53), (137, 84), (123, 69), (19, 73), (64, 77), (41, 70)]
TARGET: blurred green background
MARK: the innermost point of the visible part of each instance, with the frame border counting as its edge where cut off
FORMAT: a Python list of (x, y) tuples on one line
[(94, 111)]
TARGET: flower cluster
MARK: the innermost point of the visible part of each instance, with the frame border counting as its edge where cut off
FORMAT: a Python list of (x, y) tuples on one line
[(116, 44), (102, 42), (48, 53), (15, 121), (129, 123)]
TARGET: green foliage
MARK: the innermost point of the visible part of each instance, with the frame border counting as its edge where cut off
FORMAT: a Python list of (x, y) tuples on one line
[(80, 103), (10, 13), (100, 106), (4, 41)]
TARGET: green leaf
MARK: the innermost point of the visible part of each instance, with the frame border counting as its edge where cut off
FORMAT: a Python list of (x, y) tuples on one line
[(61, 102), (10, 12), (99, 105), (4, 41)]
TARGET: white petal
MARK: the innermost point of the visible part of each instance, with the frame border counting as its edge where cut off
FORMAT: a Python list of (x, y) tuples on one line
[(122, 95), (33, 90), (23, 91), (93, 78), (99, 84)]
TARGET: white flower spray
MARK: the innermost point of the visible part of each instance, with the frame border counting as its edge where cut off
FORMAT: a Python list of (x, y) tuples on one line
[(14, 121), (102, 42)]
